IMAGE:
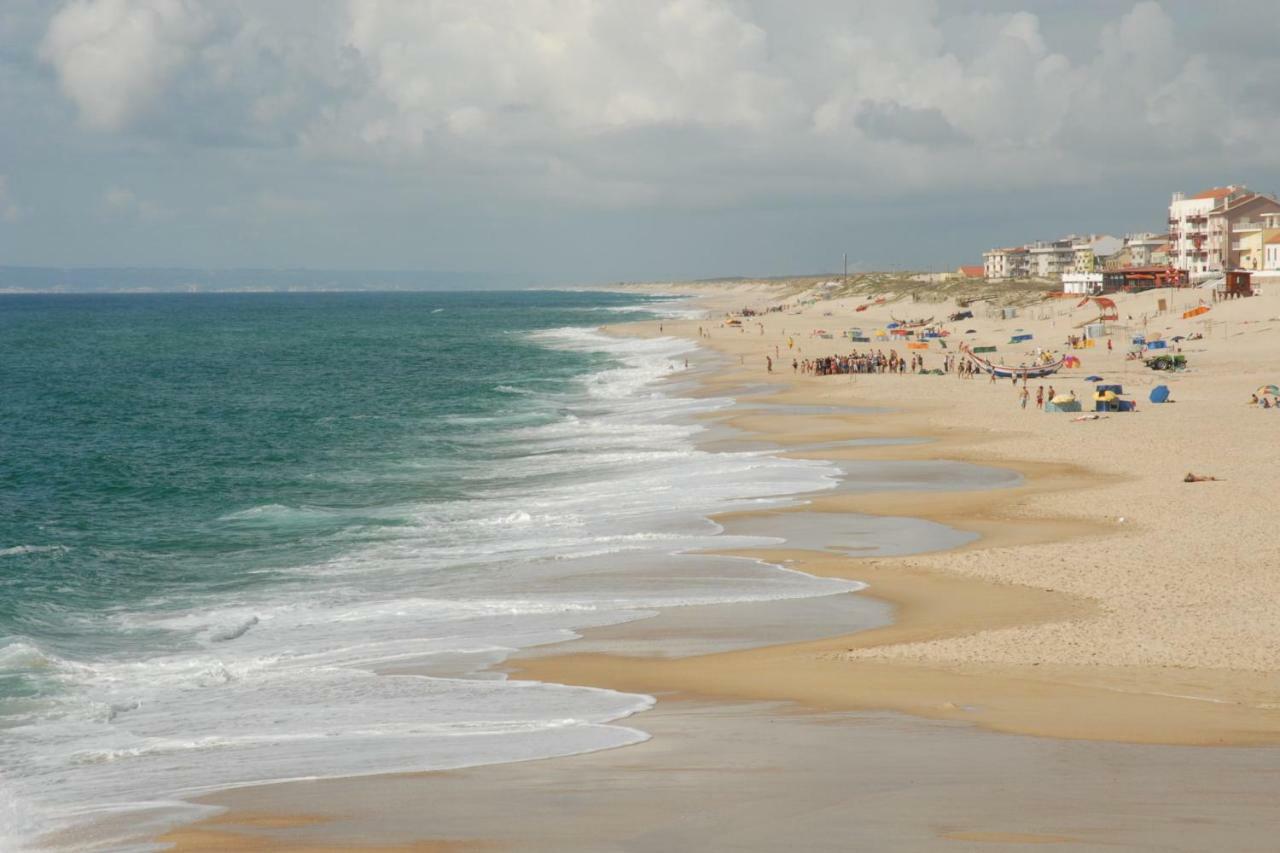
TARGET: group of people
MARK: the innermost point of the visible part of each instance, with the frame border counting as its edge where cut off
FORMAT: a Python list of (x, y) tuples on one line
[(876, 361), (1041, 396), (1265, 402)]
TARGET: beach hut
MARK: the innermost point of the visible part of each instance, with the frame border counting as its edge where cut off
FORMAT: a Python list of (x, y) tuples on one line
[(1106, 398)]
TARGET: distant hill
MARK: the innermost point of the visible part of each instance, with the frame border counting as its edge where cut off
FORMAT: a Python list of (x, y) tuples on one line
[(159, 279)]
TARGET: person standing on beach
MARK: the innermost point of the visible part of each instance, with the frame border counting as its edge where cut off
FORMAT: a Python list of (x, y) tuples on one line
[(768, 360), (1025, 395), (1040, 397)]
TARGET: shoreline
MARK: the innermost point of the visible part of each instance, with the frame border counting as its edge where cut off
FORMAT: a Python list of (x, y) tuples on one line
[(1132, 704), (1151, 705)]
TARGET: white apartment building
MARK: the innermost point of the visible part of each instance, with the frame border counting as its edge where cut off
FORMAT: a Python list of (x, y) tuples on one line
[(1200, 227), (1051, 258), (1005, 263)]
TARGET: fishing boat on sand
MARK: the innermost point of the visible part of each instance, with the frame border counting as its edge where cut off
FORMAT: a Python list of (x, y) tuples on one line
[(1035, 371), (911, 324)]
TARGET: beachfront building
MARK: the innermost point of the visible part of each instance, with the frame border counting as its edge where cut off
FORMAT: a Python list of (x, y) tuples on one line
[(1051, 258), (1090, 254), (1005, 263), (972, 272), (1189, 226), (1141, 250), (1082, 283), (1236, 231), (1206, 230)]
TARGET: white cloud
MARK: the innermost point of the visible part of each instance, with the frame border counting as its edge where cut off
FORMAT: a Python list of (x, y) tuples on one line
[(678, 101), (114, 57)]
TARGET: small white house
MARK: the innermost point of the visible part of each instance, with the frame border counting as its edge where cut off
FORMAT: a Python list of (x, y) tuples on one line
[(1082, 283)]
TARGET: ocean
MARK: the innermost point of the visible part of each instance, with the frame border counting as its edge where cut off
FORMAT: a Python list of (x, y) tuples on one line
[(259, 537)]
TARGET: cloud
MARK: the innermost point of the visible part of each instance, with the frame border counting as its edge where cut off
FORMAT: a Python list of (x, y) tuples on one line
[(9, 210), (121, 201), (896, 121), (114, 57), (684, 102)]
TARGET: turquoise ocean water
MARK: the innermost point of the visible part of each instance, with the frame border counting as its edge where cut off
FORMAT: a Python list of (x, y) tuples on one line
[(260, 537)]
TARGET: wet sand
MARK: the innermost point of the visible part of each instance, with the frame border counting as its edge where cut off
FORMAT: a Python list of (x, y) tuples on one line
[(760, 776)]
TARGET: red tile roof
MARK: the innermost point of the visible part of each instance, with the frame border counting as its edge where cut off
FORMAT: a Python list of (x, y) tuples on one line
[(973, 272), (1216, 192)]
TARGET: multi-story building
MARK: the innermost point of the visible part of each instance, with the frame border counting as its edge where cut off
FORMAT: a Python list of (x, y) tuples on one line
[(1189, 226), (1051, 258), (1140, 249), (1005, 263), (1206, 229), (1236, 231), (1089, 254)]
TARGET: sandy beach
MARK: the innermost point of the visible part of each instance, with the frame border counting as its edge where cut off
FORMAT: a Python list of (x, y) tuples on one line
[(1100, 613)]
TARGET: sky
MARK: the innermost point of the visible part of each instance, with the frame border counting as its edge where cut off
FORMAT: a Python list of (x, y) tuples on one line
[(576, 141)]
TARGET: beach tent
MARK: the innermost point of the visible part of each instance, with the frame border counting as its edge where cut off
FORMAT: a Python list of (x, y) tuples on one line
[(1063, 403), (1157, 344), (1159, 394), (1271, 390)]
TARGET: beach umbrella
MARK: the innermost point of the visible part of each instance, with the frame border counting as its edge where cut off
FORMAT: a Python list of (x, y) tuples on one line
[(1093, 379), (1177, 338), (1273, 390), (1160, 394), (971, 331)]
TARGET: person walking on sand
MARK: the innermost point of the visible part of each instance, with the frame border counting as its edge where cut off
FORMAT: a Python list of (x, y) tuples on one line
[(1040, 397), (1025, 394)]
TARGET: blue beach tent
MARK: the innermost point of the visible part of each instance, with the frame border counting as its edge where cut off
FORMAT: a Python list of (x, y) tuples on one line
[(1160, 394)]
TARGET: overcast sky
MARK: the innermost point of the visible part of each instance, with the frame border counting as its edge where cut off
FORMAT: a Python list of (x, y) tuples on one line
[(590, 140)]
